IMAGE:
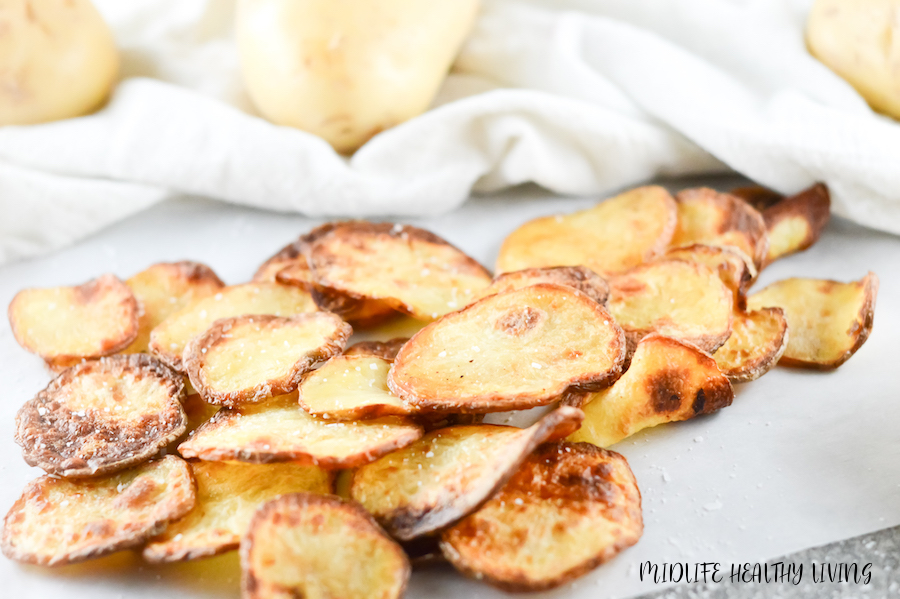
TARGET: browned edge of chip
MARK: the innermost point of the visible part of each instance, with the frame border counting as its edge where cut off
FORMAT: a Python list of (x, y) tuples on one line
[(386, 350), (758, 196), (812, 205), (580, 278), (363, 313), (293, 253), (424, 552)]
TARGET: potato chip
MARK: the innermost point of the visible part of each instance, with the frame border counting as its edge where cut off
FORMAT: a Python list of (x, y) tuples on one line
[(167, 341), (102, 416), (63, 325), (293, 255), (387, 350), (578, 277), (827, 321), (569, 508), (315, 546), (279, 430), (57, 521), (613, 236), (247, 359), (510, 351), (667, 381), (797, 222), (450, 472), (734, 267), (758, 340), (227, 496)]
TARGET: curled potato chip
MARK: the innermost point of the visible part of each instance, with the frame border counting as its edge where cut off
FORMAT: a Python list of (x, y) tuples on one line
[(102, 416), (797, 222), (569, 508), (278, 430), (613, 236), (578, 277), (246, 359), (64, 325), (734, 267), (227, 497), (57, 521), (167, 341), (667, 381), (304, 545), (758, 340), (351, 387), (510, 351), (387, 350), (449, 472), (828, 321), (684, 300)]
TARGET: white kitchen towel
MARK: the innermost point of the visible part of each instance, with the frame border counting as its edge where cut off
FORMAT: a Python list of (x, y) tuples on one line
[(579, 96)]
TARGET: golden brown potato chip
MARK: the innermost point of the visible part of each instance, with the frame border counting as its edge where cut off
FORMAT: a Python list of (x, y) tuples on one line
[(712, 218), (63, 325), (827, 320), (667, 381), (578, 277), (407, 268), (569, 508), (316, 546), (351, 388), (294, 255), (246, 359), (613, 236), (734, 267), (510, 351), (58, 521), (684, 300), (164, 289), (797, 222), (279, 430), (102, 416), (449, 472), (227, 497), (167, 341), (387, 350), (758, 340)]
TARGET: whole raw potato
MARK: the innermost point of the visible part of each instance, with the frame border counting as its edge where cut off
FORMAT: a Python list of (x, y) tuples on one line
[(58, 60), (347, 69), (860, 41)]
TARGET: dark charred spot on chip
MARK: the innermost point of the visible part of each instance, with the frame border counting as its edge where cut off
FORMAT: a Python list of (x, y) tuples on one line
[(665, 389), (519, 321)]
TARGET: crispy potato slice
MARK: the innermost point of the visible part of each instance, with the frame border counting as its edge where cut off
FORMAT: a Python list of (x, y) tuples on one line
[(758, 340), (294, 255), (613, 236), (63, 325), (57, 521), (407, 268), (510, 351), (315, 546), (828, 321), (387, 350), (102, 416), (797, 222), (450, 472), (164, 289), (569, 508), (227, 497), (712, 218), (167, 341), (734, 267), (351, 388), (247, 359), (667, 381), (581, 278), (279, 430), (684, 300)]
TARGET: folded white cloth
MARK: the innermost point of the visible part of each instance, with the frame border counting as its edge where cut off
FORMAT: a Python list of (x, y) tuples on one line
[(579, 96)]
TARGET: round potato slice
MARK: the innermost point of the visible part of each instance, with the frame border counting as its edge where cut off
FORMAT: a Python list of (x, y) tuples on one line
[(64, 325), (758, 340), (57, 521), (387, 350), (304, 545), (578, 277), (247, 359), (510, 351), (569, 508), (734, 267), (102, 416)]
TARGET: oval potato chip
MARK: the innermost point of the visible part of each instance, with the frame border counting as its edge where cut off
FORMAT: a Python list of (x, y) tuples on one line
[(758, 340), (581, 278)]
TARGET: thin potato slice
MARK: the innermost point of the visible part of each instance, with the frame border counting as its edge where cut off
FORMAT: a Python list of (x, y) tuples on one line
[(278, 430), (569, 508), (64, 325), (351, 387), (314, 546), (684, 300), (247, 359), (167, 341), (293, 255), (797, 222), (510, 351), (450, 472), (758, 340), (57, 521), (734, 267), (387, 350), (407, 268), (828, 321), (102, 416), (227, 497), (578, 277), (613, 236), (667, 381)]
